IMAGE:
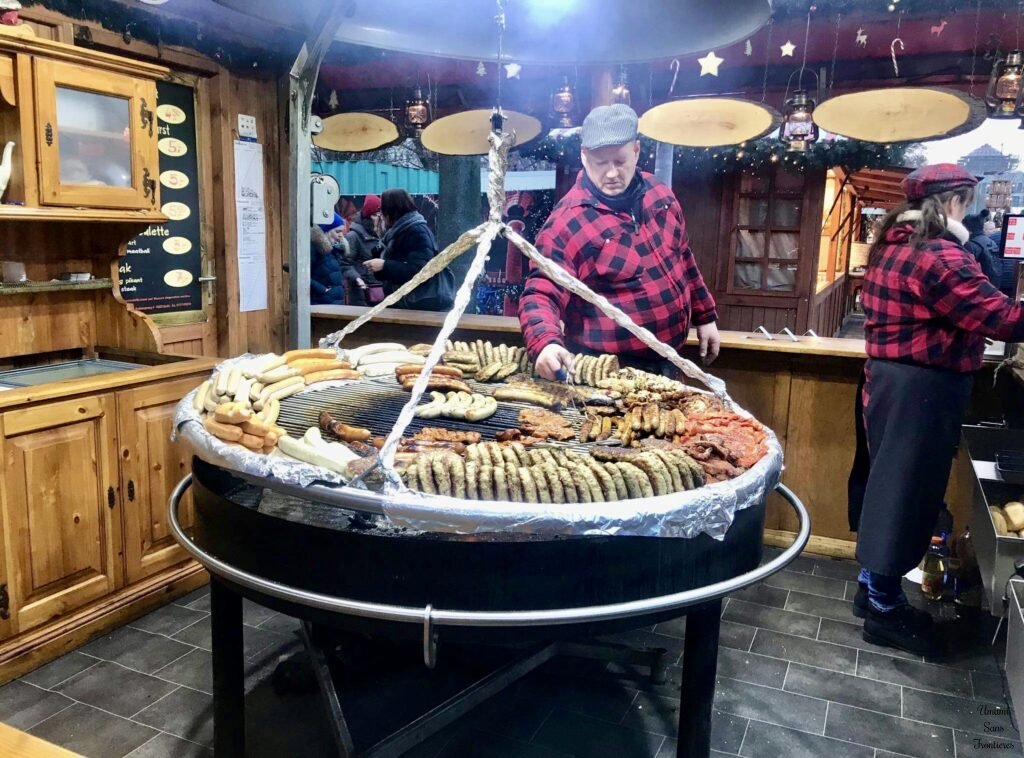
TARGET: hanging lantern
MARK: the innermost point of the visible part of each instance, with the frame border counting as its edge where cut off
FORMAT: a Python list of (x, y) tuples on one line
[(1004, 90), (620, 92), (799, 131), (563, 105), (417, 112)]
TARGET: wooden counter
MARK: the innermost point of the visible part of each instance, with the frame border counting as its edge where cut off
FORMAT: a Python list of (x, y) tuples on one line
[(88, 466), (803, 390), (330, 318)]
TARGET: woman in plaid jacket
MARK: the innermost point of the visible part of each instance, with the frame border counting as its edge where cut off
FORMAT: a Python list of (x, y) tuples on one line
[(929, 308)]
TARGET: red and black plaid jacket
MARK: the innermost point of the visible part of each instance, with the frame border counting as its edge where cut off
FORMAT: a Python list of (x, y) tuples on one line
[(645, 267), (933, 306)]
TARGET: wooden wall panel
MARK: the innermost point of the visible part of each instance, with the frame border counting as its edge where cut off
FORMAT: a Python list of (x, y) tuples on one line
[(46, 322)]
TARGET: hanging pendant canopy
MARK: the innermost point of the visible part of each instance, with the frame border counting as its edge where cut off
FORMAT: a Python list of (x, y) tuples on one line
[(900, 114), (467, 133), (355, 133), (537, 31), (709, 121)]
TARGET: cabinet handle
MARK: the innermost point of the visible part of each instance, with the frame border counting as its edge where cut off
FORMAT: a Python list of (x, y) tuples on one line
[(111, 497), (149, 186), (48, 133), (131, 491), (146, 115)]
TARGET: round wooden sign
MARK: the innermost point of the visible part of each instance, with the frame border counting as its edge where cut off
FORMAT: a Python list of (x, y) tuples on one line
[(709, 121), (466, 133), (900, 114), (355, 133)]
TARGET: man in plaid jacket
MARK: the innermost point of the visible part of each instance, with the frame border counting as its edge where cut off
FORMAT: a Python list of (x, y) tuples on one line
[(621, 232)]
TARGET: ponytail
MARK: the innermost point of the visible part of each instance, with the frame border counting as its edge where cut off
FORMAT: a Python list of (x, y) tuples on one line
[(928, 226)]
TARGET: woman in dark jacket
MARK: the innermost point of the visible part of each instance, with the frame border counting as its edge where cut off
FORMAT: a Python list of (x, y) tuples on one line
[(409, 244), (929, 309), (363, 245), (326, 284)]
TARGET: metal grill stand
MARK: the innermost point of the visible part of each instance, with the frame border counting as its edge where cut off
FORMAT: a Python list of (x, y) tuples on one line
[(702, 606)]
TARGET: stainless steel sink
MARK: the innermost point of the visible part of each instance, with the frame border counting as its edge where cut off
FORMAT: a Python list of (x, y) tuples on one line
[(61, 372)]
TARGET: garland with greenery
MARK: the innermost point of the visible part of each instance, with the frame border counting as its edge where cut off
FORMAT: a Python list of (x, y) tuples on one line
[(798, 8), (158, 29), (750, 156)]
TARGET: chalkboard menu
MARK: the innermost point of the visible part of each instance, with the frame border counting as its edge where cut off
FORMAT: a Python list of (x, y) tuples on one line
[(160, 273)]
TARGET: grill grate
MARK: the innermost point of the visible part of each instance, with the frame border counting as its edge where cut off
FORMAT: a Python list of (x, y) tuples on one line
[(376, 404)]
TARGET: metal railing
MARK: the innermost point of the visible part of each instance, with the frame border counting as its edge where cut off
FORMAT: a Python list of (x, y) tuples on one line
[(433, 617)]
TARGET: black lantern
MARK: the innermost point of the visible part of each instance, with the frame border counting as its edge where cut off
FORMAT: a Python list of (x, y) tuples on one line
[(563, 105), (798, 129), (1003, 97), (620, 92), (417, 112)]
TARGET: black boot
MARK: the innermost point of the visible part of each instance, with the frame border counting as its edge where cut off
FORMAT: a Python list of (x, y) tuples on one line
[(905, 628), (861, 604)]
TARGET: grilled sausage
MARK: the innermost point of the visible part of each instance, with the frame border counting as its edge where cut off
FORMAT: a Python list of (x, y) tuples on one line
[(226, 432)]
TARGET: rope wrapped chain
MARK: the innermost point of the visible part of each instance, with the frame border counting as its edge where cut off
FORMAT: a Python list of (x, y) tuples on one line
[(482, 236)]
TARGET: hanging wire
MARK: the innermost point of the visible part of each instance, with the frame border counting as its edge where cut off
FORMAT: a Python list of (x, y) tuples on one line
[(835, 53), (803, 63), (767, 53), (974, 56), (1020, 12), (892, 45), (500, 19)]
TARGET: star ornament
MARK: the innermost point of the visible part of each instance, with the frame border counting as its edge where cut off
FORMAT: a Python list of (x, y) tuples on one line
[(512, 70), (788, 49), (709, 64)]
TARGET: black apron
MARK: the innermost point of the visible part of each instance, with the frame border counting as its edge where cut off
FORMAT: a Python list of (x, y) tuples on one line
[(912, 417)]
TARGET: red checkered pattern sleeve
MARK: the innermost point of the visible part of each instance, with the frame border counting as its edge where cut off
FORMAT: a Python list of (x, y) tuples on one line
[(543, 302), (961, 293), (702, 303)]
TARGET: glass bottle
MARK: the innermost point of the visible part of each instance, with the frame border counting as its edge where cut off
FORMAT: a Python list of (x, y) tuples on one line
[(967, 586), (933, 581)]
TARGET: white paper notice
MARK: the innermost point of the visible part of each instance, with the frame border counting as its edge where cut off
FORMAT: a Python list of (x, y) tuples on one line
[(251, 226)]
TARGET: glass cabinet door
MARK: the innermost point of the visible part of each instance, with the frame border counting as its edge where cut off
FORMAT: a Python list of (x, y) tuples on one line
[(97, 142)]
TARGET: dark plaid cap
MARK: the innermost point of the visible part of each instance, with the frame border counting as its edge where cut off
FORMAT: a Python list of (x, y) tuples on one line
[(939, 177)]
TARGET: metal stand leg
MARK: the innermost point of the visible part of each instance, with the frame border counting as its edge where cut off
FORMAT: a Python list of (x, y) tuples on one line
[(228, 671), (697, 694), (322, 672)]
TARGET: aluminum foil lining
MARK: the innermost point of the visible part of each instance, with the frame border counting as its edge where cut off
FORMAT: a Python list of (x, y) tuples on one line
[(708, 510)]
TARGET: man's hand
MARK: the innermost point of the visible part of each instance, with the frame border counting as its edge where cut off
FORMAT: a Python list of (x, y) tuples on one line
[(374, 264), (710, 342), (552, 361)]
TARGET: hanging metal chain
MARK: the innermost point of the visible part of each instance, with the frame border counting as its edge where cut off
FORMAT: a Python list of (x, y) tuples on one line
[(767, 53), (835, 53), (974, 56), (803, 63)]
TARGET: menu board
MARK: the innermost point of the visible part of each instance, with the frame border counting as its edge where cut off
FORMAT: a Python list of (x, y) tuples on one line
[(1013, 236), (160, 273)]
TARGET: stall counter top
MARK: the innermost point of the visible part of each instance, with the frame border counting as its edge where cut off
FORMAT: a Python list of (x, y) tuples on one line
[(824, 346), (20, 396)]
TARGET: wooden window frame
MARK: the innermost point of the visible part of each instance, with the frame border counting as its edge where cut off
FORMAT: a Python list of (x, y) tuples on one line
[(765, 261)]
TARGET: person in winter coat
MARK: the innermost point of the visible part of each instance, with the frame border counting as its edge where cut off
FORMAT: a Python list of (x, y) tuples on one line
[(363, 245), (326, 284), (981, 246), (929, 308), (621, 232), (409, 243)]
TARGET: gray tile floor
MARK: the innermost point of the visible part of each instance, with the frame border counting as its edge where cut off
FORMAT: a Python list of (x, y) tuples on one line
[(795, 680)]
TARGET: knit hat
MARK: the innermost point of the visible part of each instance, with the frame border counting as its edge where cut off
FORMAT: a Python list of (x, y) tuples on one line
[(334, 224), (371, 205), (932, 180), (609, 125)]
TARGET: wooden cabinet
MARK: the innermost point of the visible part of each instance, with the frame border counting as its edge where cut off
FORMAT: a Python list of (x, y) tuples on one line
[(95, 137), (61, 507), (85, 133), (150, 467)]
